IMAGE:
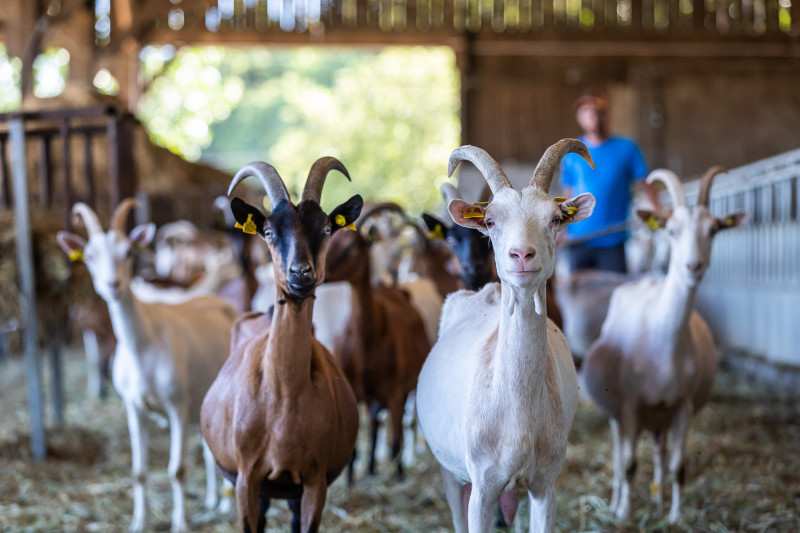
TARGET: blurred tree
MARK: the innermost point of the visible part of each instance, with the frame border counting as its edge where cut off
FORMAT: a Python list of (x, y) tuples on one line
[(391, 115)]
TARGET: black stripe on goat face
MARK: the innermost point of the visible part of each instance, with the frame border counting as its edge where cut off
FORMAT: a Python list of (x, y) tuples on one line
[(296, 235)]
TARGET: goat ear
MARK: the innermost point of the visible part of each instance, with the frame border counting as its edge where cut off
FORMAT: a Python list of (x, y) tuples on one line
[(72, 244), (577, 208), (347, 213), (142, 235), (467, 215), (248, 218), (436, 228), (731, 221), (652, 219)]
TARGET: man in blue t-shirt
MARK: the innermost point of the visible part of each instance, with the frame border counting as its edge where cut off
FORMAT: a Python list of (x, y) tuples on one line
[(619, 164)]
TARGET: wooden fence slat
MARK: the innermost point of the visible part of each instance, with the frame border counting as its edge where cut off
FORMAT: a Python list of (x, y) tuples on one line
[(66, 171), (45, 172), (5, 181), (88, 170)]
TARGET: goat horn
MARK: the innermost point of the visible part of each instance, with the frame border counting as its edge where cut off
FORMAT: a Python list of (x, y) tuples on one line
[(89, 217), (546, 168), (378, 208), (487, 166), (269, 178), (316, 177), (704, 192), (671, 182), (120, 216), (450, 192)]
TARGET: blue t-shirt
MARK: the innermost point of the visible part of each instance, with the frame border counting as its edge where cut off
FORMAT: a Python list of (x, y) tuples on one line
[(618, 163)]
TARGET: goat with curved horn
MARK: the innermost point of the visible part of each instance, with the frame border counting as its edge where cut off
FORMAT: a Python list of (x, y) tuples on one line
[(487, 166), (84, 212), (316, 177), (269, 178), (543, 175), (703, 194), (120, 216), (672, 183)]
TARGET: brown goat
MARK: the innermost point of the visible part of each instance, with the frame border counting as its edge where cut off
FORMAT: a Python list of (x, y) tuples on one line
[(281, 419), (383, 346)]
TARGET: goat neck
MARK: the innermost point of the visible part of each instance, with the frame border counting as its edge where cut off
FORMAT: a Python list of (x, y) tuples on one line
[(521, 340), (675, 305), (287, 359)]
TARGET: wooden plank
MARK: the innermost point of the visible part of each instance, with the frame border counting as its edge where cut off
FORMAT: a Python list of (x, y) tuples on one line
[(66, 171), (27, 277), (5, 180), (88, 170), (45, 172), (699, 15)]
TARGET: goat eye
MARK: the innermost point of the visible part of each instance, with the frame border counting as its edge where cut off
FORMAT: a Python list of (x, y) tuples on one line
[(489, 223), (327, 230), (557, 220), (268, 233)]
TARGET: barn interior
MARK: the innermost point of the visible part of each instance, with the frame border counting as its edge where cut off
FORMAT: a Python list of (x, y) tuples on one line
[(164, 101)]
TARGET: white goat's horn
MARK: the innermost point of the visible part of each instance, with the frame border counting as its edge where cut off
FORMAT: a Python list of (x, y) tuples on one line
[(671, 182), (543, 175), (316, 177), (120, 216), (450, 192), (487, 166), (89, 217), (704, 192), (269, 178)]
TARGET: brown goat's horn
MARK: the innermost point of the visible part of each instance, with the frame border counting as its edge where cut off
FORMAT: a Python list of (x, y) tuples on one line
[(379, 208), (450, 192), (543, 175), (120, 216), (487, 166), (269, 177), (704, 192), (89, 217), (316, 177), (671, 182)]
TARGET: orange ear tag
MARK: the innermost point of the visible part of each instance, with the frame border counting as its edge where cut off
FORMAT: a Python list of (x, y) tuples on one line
[(652, 223), (76, 255), (249, 226)]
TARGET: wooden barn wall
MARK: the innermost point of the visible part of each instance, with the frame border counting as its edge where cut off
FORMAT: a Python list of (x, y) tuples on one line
[(685, 114)]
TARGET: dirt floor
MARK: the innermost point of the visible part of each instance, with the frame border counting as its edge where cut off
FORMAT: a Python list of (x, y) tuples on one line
[(743, 473)]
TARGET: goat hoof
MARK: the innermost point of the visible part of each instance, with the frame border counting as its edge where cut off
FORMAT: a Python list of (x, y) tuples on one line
[(225, 506)]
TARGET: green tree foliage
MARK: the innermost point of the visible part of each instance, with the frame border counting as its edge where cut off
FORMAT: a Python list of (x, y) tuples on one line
[(390, 115)]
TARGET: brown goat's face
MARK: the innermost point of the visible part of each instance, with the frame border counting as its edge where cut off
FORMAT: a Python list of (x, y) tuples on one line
[(297, 237)]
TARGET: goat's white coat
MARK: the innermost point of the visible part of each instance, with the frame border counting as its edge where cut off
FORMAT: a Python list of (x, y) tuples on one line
[(498, 392)]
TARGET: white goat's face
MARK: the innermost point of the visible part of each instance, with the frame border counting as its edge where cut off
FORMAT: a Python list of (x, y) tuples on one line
[(522, 226), (109, 257), (691, 231)]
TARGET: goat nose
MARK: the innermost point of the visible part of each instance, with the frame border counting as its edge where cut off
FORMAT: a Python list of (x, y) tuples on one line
[(300, 269), (524, 254), (694, 266)]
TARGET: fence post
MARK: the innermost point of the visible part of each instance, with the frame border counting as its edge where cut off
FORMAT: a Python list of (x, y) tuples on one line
[(28, 286)]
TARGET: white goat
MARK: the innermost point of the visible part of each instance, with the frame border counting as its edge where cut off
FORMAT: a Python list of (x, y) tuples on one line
[(498, 392), (166, 358), (654, 363)]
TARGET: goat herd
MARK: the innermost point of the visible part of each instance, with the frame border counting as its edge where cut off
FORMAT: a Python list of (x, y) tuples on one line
[(276, 391)]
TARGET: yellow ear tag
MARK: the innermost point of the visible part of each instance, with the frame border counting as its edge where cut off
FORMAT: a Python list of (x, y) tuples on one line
[(729, 221), (652, 223), (436, 233), (473, 214), (559, 199), (571, 210), (76, 255), (480, 203), (351, 226), (655, 488), (249, 226)]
